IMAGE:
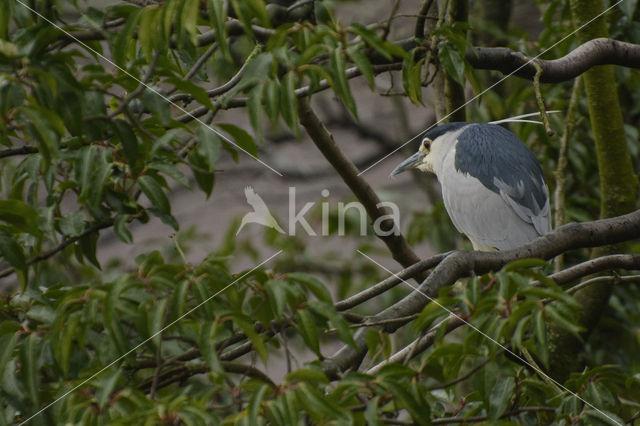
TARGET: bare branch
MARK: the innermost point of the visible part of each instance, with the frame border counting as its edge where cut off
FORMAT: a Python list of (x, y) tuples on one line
[(421, 344), (599, 51), (599, 264), (23, 150), (323, 140), (477, 419), (390, 282), (95, 228)]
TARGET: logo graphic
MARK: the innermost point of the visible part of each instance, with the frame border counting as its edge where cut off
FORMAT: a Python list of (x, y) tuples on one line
[(386, 224), (260, 213)]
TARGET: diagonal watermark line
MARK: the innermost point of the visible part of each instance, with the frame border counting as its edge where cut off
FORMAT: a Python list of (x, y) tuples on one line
[(150, 88), (519, 358), (94, 375), (492, 86)]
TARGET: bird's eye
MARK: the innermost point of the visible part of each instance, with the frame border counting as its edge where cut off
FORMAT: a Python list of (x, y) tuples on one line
[(426, 144)]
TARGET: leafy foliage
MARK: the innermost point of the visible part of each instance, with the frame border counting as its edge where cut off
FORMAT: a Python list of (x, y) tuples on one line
[(102, 117)]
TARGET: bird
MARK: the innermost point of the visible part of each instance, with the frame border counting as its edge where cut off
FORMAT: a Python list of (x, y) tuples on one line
[(492, 184), (260, 213)]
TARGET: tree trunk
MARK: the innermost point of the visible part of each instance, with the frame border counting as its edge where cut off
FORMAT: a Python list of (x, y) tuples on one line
[(618, 183)]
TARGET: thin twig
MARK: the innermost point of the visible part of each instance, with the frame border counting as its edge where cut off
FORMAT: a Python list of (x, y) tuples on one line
[(418, 32), (461, 378), (477, 419), (539, 100), (141, 87), (563, 161), (390, 282), (196, 67), (60, 247)]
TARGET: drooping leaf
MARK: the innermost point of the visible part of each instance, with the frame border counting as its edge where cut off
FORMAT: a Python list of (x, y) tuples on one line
[(152, 189), (337, 66), (241, 138), (209, 144), (11, 251), (20, 215)]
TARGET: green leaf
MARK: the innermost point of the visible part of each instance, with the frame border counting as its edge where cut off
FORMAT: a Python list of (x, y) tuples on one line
[(129, 143), (148, 33), (414, 402), (327, 311), (500, 397), (289, 102), (525, 264), (242, 138), (152, 189), (319, 407), (209, 144), (371, 412), (65, 344), (218, 14), (452, 62), (155, 320), (188, 21), (7, 344), (276, 290), (244, 16), (256, 339), (272, 99), (198, 93), (30, 371), (603, 416), (308, 330), (72, 225), (12, 251), (341, 85), (89, 244), (105, 388), (260, 11), (307, 375), (362, 62), (562, 321), (253, 105), (204, 178), (156, 102), (209, 354), (112, 318), (254, 404), (371, 38), (541, 337), (20, 215), (170, 170), (313, 284), (124, 37)]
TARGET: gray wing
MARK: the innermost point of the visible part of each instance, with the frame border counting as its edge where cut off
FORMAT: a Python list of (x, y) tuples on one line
[(487, 216), (504, 165)]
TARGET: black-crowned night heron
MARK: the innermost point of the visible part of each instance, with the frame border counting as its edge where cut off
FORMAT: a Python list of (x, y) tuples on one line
[(492, 184)]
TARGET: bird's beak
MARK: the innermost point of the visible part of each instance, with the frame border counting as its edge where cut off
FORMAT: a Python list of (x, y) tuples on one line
[(411, 162)]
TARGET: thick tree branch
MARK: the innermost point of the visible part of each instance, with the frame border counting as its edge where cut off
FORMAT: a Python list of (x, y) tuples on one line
[(599, 51), (593, 266), (462, 264), (323, 140)]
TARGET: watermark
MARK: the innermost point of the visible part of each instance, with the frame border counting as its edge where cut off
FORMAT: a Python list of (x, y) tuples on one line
[(385, 225)]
